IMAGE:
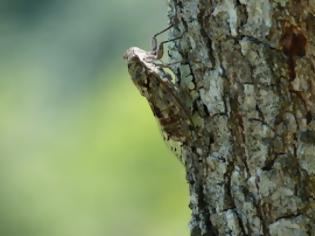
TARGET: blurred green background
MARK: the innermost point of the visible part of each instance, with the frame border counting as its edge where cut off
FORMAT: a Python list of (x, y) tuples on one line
[(80, 151)]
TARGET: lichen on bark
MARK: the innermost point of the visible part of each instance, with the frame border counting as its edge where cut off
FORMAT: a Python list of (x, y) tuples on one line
[(249, 69)]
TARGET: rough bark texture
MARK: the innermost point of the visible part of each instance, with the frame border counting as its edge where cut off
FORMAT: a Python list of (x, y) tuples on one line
[(248, 66)]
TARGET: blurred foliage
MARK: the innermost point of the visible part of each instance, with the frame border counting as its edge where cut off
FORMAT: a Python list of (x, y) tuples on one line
[(80, 151)]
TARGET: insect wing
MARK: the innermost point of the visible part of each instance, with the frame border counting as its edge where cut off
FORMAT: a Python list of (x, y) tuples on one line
[(168, 109)]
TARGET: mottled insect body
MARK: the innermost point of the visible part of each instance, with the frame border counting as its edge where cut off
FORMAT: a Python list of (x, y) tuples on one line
[(156, 85)]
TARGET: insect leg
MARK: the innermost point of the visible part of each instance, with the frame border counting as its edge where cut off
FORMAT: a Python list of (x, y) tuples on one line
[(159, 51), (154, 38), (169, 64)]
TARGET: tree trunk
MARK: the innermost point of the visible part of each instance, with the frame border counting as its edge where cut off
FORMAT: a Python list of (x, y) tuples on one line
[(248, 67)]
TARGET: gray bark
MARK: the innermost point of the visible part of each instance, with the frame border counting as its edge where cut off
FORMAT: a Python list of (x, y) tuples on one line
[(248, 67)]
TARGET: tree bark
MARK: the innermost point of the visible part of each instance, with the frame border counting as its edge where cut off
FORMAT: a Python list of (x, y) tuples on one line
[(248, 67)]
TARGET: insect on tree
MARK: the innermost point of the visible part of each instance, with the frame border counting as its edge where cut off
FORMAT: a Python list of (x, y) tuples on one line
[(163, 95)]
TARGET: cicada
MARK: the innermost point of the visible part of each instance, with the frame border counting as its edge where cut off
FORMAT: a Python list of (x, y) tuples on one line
[(161, 92)]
